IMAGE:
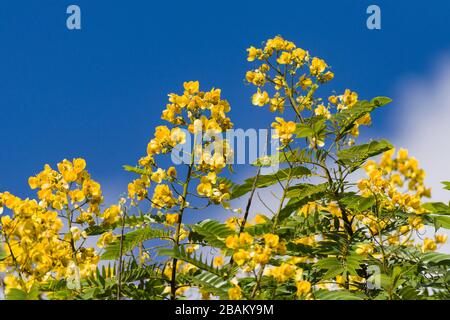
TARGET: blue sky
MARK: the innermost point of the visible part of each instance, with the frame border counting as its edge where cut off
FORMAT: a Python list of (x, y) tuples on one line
[(98, 92)]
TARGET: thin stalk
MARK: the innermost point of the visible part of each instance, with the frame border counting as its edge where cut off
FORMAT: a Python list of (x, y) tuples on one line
[(173, 284), (119, 270), (275, 224)]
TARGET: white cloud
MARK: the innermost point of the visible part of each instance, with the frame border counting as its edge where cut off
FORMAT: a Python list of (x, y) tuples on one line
[(423, 125)]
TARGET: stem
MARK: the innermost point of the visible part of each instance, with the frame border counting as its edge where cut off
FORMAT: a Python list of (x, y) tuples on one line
[(173, 284), (119, 270), (275, 224), (249, 202)]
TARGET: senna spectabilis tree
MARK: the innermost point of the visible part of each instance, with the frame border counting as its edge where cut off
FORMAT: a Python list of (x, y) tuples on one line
[(347, 220)]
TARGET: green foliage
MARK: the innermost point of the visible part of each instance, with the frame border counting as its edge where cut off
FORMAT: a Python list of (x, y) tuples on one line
[(346, 119), (131, 240), (17, 294), (211, 232), (355, 156), (436, 258), (209, 282), (3, 254), (199, 261), (337, 295), (446, 185), (130, 222), (136, 170), (264, 181)]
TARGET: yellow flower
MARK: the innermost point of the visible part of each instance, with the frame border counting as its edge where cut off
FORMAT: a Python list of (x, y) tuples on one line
[(283, 130), (233, 223), (259, 218), (334, 209), (191, 248), (111, 215), (241, 256), (163, 197), (277, 103), (191, 87), (33, 182), (257, 78), (77, 195), (317, 66), (271, 240), (284, 58), (231, 242), (308, 208), (105, 239), (428, 245), (262, 256), (158, 176), (299, 55), (218, 261), (283, 272), (333, 99), (172, 218), (364, 249), (349, 99), (416, 222), (304, 82), (66, 169), (402, 154), (321, 110), (79, 165), (245, 239), (172, 172), (178, 136), (235, 293), (205, 187), (441, 238), (253, 53), (303, 287), (260, 98)]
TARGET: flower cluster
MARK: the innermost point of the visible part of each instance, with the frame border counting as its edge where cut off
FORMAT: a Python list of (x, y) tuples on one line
[(293, 76), (397, 183), (39, 246)]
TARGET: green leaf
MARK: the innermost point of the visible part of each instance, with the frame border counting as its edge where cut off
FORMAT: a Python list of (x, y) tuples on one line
[(259, 229), (16, 294), (305, 190), (356, 155), (130, 222), (137, 170), (303, 131), (380, 101), (131, 240), (291, 156), (442, 221), (328, 263), (299, 195), (336, 295), (211, 283), (437, 207), (213, 232), (346, 118), (3, 254), (357, 203), (446, 185), (409, 293), (436, 258), (264, 181), (198, 261)]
